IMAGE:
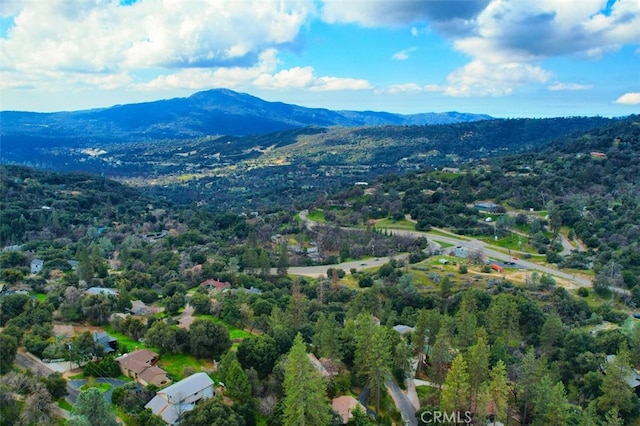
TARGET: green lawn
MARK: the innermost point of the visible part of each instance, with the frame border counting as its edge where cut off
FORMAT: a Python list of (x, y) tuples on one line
[(126, 341), (175, 364), (393, 224), (317, 215), (62, 403), (102, 387), (234, 332)]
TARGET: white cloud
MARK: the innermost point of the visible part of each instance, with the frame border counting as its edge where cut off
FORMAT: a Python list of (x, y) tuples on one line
[(105, 37), (559, 86), (262, 76), (403, 55), (407, 88), (631, 98), (479, 78), (511, 38)]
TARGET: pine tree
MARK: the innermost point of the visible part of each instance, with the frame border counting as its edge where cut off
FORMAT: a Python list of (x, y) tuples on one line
[(305, 401), (378, 368), (455, 392), (237, 383), (440, 358), (478, 361), (616, 392), (498, 391)]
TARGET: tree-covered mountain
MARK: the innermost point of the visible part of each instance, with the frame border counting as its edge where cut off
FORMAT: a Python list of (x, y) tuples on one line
[(212, 112), (257, 171)]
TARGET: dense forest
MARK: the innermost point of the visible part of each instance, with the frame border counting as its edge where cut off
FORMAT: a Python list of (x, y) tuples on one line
[(515, 347)]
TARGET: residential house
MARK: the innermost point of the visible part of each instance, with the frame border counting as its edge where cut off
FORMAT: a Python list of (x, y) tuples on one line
[(36, 266), (325, 367), (95, 291), (486, 206), (632, 376), (140, 365), (108, 343), (138, 307), (215, 285), (403, 329), (172, 402), (344, 405), (450, 170)]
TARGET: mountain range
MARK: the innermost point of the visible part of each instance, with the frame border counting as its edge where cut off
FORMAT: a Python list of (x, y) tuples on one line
[(208, 113)]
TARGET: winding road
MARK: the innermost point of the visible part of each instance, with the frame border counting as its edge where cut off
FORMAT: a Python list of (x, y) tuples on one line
[(469, 244)]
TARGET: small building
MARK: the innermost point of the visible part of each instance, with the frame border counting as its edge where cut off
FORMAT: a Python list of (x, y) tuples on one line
[(96, 291), (450, 170), (141, 366), (215, 285), (172, 402), (36, 266), (345, 405), (486, 206), (108, 343), (403, 329), (318, 366), (138, 307)]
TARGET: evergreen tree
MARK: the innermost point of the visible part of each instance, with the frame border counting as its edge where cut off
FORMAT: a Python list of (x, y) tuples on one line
[(551, 336), (440, 358), (377, 370), (616, 392), (237, 383), (305, 401), (326, 338), (478, 362), (551, 406), (92, 406), (455, 391), (498, 391)]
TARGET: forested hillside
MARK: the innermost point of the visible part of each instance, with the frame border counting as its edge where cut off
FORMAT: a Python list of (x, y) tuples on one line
[(517, 345)]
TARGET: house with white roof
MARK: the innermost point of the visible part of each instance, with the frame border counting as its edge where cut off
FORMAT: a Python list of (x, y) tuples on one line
[(172, 402)]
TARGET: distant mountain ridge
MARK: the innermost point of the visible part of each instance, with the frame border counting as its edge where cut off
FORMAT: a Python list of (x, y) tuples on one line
[(211, 112)]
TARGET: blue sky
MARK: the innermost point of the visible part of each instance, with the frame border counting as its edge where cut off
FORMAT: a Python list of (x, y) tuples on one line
[(507, 58)]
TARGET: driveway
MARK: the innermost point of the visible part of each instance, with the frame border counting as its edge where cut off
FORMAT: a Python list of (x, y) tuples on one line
[(403, 403)]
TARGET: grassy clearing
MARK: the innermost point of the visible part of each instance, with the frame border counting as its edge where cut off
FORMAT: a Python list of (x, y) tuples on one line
[(317, 216), (175, 364), (234, 332), (126, 341), (393, 224), (102, 387)]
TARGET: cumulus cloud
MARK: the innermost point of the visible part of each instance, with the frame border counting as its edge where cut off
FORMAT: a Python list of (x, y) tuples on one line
[(381, 13), (262, 76), (512, 38), (631, 98), (105, 37)]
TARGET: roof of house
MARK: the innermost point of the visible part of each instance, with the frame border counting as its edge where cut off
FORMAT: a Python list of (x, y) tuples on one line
[(137, 360), (192, 384), (149, 372), (344, 405), (218, 285), (169, 412), (104, 340), (101, 290), (403, 329), (318, 365), (631, 377)]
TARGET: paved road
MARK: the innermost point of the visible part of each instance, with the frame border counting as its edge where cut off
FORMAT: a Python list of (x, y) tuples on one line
[(469, 244), (31, 362), (403, 403)]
